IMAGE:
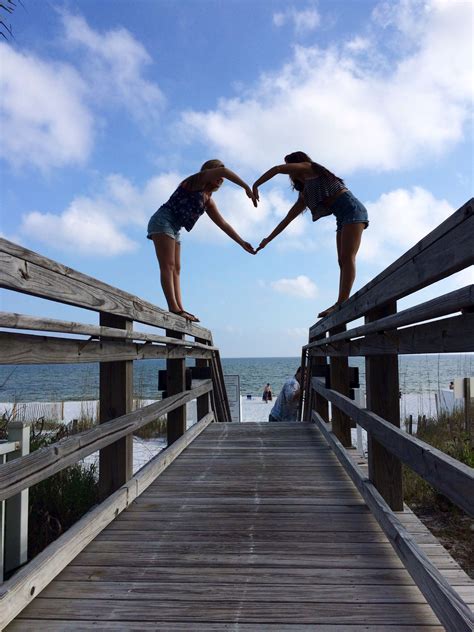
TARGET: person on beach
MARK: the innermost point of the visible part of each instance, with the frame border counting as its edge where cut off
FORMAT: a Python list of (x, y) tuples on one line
[(324, 194), (192, 198), (267, 393), (286, 405)]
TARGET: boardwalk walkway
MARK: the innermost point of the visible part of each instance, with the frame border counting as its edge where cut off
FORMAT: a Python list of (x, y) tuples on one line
[(254, 527)]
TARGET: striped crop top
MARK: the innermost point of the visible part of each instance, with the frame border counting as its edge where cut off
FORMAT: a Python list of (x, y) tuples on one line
[(186, 206), (318, 189)]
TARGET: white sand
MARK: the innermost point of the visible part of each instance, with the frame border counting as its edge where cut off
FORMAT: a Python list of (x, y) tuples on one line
[(143, 450)]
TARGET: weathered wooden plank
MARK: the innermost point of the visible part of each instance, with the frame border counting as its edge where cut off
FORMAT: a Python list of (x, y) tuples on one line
[(31, 349), (13, 320), (241, 611), (437, 307), (259, 575), (449, 335), (452, 611), (47, 625), (30, 580), (29, 470), (28, 272), (452, 478), (447, 249), (189, 591)]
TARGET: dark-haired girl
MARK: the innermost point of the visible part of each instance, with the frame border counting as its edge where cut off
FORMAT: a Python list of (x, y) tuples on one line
[(192, 198), (324, 194)]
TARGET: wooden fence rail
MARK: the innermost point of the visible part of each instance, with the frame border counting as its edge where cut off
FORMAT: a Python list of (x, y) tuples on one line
[(385, 334)]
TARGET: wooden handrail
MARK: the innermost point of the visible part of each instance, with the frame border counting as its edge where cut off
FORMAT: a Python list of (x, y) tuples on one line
[(26, 271), (449, 335), (12, 320), (440, 306), (447, 475), (31, 349), (39, 465), (447, 249)]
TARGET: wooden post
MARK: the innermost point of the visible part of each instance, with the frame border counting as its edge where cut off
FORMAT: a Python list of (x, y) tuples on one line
[(116, 397), (305, 390), (202, 403), (383, 398), (316, 402), (16, 507), (176, 383), (339, 371), (468, 410)]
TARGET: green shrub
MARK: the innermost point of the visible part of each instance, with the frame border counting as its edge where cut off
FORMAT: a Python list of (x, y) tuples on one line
[(59, 501)]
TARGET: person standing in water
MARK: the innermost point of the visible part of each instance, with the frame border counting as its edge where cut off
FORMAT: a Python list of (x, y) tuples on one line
[(324, 194), (192, 198)]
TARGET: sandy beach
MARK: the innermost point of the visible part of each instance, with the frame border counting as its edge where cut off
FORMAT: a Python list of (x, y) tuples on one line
[(253, 410)]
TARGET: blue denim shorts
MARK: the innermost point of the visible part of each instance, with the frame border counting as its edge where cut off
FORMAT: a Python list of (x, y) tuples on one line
[(163, 221), (348, 210)]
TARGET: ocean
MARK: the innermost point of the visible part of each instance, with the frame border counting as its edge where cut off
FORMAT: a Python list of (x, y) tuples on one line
[(50, 383)]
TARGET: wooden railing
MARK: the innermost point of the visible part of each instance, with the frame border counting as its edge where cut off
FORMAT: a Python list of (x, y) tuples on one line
[(115, 345), (384, 335)]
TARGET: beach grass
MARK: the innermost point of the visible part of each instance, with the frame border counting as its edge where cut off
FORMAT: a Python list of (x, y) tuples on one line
[(453, 527)]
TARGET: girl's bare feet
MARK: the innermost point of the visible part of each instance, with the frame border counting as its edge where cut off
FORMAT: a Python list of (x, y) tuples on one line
[(329, 310), (187, 315)]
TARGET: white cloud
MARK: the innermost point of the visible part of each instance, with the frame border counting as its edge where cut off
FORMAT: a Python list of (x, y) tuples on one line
[(303, 20), (398, 220), (45, 121), (48, 108), (80, 227), (301, 286), (114, 62), (350, 109), (98, 225)]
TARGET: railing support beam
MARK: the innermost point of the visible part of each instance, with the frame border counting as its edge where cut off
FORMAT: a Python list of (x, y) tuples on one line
[(116, 397), (175, 383), (382, 387), (202, 402), (339, 372), (16, 507)]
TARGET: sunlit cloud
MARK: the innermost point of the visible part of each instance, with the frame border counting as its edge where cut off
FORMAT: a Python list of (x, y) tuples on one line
[(398, 220), (301, 287), (369, 106), (302, 20), (44, 117), (114, 63)]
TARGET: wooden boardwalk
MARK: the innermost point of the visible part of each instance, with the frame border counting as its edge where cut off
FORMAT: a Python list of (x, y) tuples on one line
[(254, 527)]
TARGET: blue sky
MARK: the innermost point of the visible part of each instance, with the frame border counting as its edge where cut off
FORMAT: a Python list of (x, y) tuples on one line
[(105, 106)]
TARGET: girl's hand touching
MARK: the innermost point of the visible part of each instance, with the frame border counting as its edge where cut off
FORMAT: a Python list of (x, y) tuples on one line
[(255, 193), (252, 196), (263, 243), (248, 247)]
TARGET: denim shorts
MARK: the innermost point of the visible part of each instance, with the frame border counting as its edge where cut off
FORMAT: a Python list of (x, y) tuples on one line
[(348, 210), (163, 221)]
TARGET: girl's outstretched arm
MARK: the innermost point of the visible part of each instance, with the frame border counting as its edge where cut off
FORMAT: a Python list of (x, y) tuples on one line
[(211, 175), (211, 210), (297, 208), (294, 169)]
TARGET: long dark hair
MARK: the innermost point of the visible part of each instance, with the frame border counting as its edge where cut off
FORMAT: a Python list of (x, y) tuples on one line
[(300, 156)]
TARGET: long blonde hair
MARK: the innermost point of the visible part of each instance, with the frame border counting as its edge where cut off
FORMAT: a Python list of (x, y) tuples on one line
[(192, 182)]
